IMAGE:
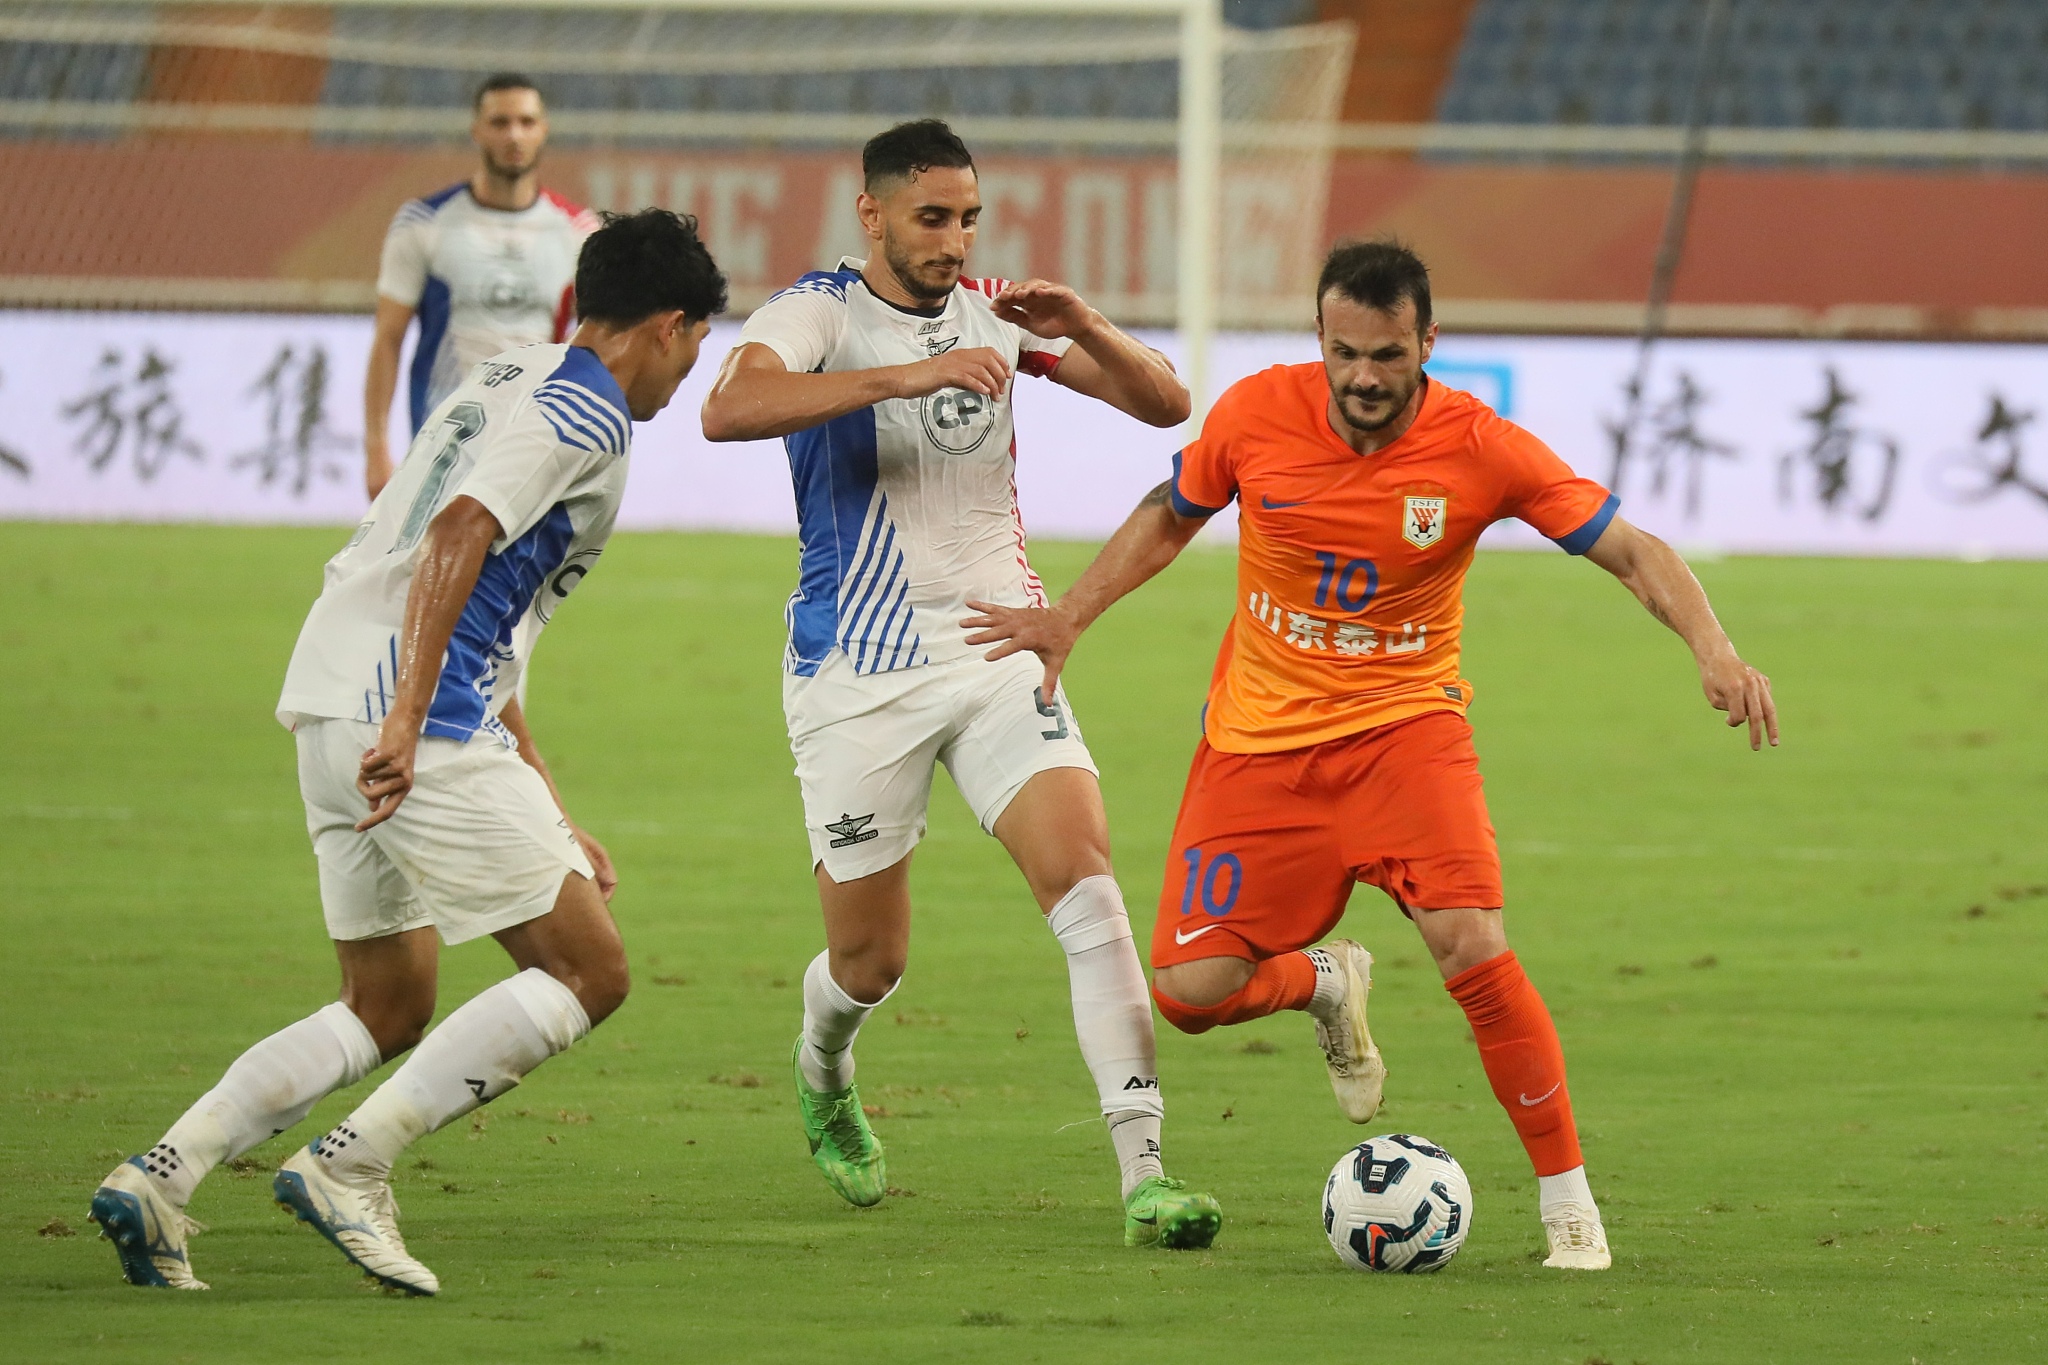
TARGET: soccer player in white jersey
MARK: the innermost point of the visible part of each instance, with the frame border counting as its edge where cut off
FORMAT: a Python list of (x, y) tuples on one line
[(890, 380), (428, 806), (485, 265)]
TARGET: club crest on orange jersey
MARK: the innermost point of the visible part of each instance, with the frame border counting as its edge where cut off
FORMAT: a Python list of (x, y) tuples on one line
[(1422, 521)]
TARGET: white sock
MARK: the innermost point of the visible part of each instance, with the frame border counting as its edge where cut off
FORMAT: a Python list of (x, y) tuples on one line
[(1112, 1018), (832, 1018), (1135, 1135), (268, 1089), (1567, 1188), (1330, 986), (477, 1054)]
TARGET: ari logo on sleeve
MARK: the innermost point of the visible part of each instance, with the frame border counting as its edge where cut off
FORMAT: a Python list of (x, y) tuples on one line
[(1422, 521)]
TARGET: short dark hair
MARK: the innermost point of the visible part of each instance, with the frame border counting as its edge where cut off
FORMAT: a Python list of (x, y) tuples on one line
[(640, 264), (910, 149), (1378, 274), (504, 80)]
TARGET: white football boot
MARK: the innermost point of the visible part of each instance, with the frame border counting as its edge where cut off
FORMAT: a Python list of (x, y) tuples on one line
[(1356, 1072), (362, 1220), (148, 1231), (1577, 1240)]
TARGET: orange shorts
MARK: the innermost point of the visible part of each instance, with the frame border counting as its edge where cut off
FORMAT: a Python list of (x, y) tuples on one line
[(1268, 846)]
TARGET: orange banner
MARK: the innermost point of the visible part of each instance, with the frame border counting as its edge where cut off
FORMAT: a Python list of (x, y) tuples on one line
[(1929, 253)]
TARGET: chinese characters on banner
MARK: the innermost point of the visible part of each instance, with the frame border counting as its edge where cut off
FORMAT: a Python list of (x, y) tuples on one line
[(1744, 446)]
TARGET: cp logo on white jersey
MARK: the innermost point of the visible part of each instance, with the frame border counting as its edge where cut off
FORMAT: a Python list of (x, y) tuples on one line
[(957, 420)]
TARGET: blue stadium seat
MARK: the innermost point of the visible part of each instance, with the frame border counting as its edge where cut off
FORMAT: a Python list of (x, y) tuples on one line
[(1854, 63)]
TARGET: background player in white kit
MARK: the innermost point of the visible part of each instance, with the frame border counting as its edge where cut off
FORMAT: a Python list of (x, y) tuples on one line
[(429, 808), (485, 265), (891, 379)]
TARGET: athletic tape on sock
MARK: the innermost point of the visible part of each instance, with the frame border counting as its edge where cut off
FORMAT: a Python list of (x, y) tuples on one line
[(360, 1049), (552, 1006), (1112, 1010), (1090, 915)]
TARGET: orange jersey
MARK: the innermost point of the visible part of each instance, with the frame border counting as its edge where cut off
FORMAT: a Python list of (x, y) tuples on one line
[(1351, 568)]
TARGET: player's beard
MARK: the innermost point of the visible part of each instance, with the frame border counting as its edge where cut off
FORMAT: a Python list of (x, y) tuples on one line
[(498, 170), (931, 281), (1397, 398)]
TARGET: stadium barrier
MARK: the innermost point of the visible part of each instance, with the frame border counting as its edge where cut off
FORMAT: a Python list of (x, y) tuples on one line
[(1765, 446), (1772, 250)]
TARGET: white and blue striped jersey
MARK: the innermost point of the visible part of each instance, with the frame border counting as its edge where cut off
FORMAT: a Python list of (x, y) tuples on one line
[(906, 509), (540, 437), (481, 280)]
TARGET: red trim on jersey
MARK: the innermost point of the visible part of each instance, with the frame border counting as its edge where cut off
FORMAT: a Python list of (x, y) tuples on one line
[(585, 220), (565, 312), (1037, 364)]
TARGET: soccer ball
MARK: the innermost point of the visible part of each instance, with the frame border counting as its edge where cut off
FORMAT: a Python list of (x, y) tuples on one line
[(1397, 1203)]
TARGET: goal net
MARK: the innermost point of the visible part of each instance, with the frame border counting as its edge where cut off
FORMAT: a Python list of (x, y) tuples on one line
[(246, 156)]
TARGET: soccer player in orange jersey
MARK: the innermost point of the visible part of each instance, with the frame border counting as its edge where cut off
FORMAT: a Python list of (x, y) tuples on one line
[(1335, 746)]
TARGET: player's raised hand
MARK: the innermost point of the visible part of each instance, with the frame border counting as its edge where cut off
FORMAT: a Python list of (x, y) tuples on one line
[(1044, 631), (1044, 309), (385, 776), (979, 369), (1745, 694)]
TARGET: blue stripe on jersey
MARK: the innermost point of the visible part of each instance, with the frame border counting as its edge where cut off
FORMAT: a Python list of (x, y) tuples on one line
[(482, 641), (574, 426), (594, 389), (423, 209), (593, 409), (1583, 539), (435, 304), (580, 419), (850, 562), (875, 602), (832, 282)]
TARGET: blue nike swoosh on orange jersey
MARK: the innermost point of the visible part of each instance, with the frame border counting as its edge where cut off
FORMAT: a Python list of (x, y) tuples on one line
[(1271, 506)]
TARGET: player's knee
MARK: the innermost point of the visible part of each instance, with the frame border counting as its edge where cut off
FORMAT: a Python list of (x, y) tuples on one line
[(872, 976), (395, 1022), (1189, 993), (1459, 940), (1205, 982), (1051, 883), (602, 983)]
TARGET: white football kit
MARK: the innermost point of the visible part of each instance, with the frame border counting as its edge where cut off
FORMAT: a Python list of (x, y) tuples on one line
[(482, 280), (540, 437), (906, 510)]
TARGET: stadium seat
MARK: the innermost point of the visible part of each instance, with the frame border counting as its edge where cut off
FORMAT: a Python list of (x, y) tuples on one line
[(1789, 63)]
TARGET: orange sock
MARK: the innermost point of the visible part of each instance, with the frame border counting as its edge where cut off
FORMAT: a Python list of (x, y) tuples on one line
[(1279, 983), (1524, 1062)]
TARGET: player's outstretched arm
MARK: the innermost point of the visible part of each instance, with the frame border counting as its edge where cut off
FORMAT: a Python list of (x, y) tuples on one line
[(755, 397), (1106, 363), (1151, 536), (1659, 578), (450, 559), (386, 341), (513, 718)]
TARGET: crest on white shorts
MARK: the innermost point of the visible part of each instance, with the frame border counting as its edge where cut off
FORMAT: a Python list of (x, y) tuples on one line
[(1422, 521)]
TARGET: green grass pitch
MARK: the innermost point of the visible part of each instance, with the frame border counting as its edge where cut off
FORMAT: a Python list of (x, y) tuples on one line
[(1801, 994)]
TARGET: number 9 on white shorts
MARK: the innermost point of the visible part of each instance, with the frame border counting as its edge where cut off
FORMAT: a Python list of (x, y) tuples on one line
[(865, 746)]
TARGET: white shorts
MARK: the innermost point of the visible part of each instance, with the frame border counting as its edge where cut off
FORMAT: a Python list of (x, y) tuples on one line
[(865, 746), (478, 845)]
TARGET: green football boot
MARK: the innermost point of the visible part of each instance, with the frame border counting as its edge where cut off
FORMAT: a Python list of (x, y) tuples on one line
[(1161, 1213), (842, 1144)]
